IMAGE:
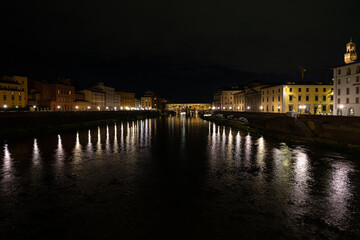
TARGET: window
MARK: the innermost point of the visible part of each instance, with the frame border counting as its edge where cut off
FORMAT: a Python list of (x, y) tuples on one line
[(267, 91), (348, 71), (324, 108), (267, 99), (339, 91), (316, 90), (4, 97), (279, 98), (291, 108), (324, 89), (338, 100), (357, 79), (307, 98), (290, 98), (299, 98), (19, 98), (307, 89), (316, 98), (347, 91), (339, 71), (347, 100), (339, 81), (272, 108), (273, 98), (332, 98), (299, 90), (357, 100), (348, 80), (273, 91), (358, 69), (279, 90), (290, 90), (324, 98)]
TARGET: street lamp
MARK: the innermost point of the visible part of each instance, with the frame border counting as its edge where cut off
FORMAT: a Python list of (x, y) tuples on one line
[(5, 106), (341, 106), (77, 107)]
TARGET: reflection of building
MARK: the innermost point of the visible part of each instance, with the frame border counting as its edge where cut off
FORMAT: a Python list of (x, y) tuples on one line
[(150, 101), (13, 92), (347, 84), (314, 98), (58, 96), (109, 95), (224, 99), (96, 97)]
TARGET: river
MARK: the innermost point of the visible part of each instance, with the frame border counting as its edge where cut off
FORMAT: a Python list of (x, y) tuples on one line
[(175, 177)]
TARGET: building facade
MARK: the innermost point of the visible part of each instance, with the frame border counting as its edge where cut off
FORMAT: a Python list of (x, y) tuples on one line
[(13, 92), (57, 96), (126, 100), (109, 95), (311, 98), (347, 84), (224, 98), (96, 97)]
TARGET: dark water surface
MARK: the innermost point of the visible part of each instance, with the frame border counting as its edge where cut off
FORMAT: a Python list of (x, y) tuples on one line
[(175, 178)]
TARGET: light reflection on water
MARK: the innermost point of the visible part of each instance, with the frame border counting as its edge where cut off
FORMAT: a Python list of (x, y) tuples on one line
[(293, 180)]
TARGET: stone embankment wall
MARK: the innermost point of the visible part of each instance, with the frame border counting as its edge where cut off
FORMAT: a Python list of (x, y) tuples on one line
[(313, 127), (15, 124)]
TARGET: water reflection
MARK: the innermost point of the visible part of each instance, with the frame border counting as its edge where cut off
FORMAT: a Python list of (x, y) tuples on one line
[(59, 156), (285, 181), (36, 153)]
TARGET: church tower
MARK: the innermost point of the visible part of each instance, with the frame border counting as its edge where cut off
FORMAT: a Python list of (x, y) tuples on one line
[(350, 56)]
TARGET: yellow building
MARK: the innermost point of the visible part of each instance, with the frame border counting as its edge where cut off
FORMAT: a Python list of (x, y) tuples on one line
[(239, 101), (147, 103), (13, 92), (96, 98), (316, 98)]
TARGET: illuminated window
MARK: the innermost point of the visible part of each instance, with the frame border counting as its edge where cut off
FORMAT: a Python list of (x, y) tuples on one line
[(348, 80)]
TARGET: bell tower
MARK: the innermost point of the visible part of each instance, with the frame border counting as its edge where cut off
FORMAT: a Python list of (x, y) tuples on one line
[(350, 56)]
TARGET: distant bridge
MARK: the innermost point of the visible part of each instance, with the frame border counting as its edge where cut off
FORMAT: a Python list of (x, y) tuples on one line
[(185, 107)]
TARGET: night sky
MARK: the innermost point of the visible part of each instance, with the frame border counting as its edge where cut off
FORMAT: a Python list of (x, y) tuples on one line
[(182, 50)]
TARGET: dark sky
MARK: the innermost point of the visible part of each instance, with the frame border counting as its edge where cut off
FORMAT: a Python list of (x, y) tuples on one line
[(181, 49)]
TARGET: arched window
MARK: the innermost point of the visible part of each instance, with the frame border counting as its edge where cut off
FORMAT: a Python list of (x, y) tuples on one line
[(351, 112), (348, 71), (358, 69)]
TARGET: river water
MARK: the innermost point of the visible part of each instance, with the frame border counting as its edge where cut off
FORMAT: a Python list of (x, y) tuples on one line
[(175, 177)]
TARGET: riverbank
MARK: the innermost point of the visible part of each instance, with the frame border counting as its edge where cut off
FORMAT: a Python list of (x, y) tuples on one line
[(294, 130), (29, 124)]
